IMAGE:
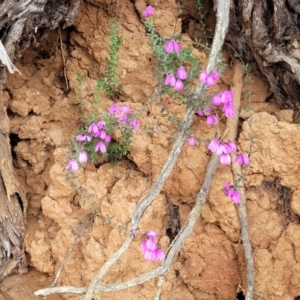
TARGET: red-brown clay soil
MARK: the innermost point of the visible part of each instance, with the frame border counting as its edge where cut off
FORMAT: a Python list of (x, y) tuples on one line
[(211, 263)]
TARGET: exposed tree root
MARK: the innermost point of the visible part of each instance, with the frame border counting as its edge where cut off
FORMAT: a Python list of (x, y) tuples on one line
[(232, 123)]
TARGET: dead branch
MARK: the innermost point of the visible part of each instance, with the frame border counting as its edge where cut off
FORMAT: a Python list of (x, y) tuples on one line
[(232, 123)]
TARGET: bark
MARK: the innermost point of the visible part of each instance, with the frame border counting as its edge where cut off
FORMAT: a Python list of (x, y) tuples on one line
[(22, 22), (267, 33)]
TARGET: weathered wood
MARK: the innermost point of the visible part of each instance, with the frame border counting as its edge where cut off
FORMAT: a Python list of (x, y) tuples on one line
[(22, 22), (267, 32)]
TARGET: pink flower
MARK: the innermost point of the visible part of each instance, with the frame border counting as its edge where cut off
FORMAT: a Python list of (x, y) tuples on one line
[(151, 233), (100, 147), (214, 75), (212, 78), (122, 118), (236, 197), (216, 100), (150, 243), (226, 96), (211, 120), (102, 135), (83, 158), (107, 138), (148, 12), (149, 248), (201, 112), (93, 128), (228, 109), (170, 80), (178, 85), (134, 124), (222, 149), (114, 109), (242, 159), (181, 73), (203, 76), (231, 146), (171, 46), (209, 79), (149, 255), (159, 255), (225, 159), (72, 165), (226, 187), (83, 138), (192, 142), (214, 145), (101, 124), (126, 109), (230, 192)]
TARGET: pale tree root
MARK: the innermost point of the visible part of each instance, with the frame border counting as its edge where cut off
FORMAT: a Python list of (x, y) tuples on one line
[(221, 28), (232, 124)]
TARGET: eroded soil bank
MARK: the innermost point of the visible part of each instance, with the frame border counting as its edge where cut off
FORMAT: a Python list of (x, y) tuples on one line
[(211, 263)]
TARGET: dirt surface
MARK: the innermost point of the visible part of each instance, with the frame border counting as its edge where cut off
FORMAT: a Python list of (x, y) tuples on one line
[(211, 263)]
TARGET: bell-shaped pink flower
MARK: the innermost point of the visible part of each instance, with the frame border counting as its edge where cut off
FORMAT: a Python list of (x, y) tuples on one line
[(211, 120), (222, 149), (122, 118), (100, 147), (203, 76), (225, 159), (159, 255), (134, 124), (227, 186), (150, 244), (228, 109), (216, 100), (210, 81), (102, 135), (236, 197), (231, 146), (126, 109), (178, 85), (93, 128), (148, 12), (149, 248), (242, 159), (107, 138), (171, 46), (72, 165), (170, 80), (201, 113), (114, 109), (226, 96), (83, 158), (83, 138), (181, 73), (149, 255), (101, 124), (192, 142), (215, 75), (214, 145)]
